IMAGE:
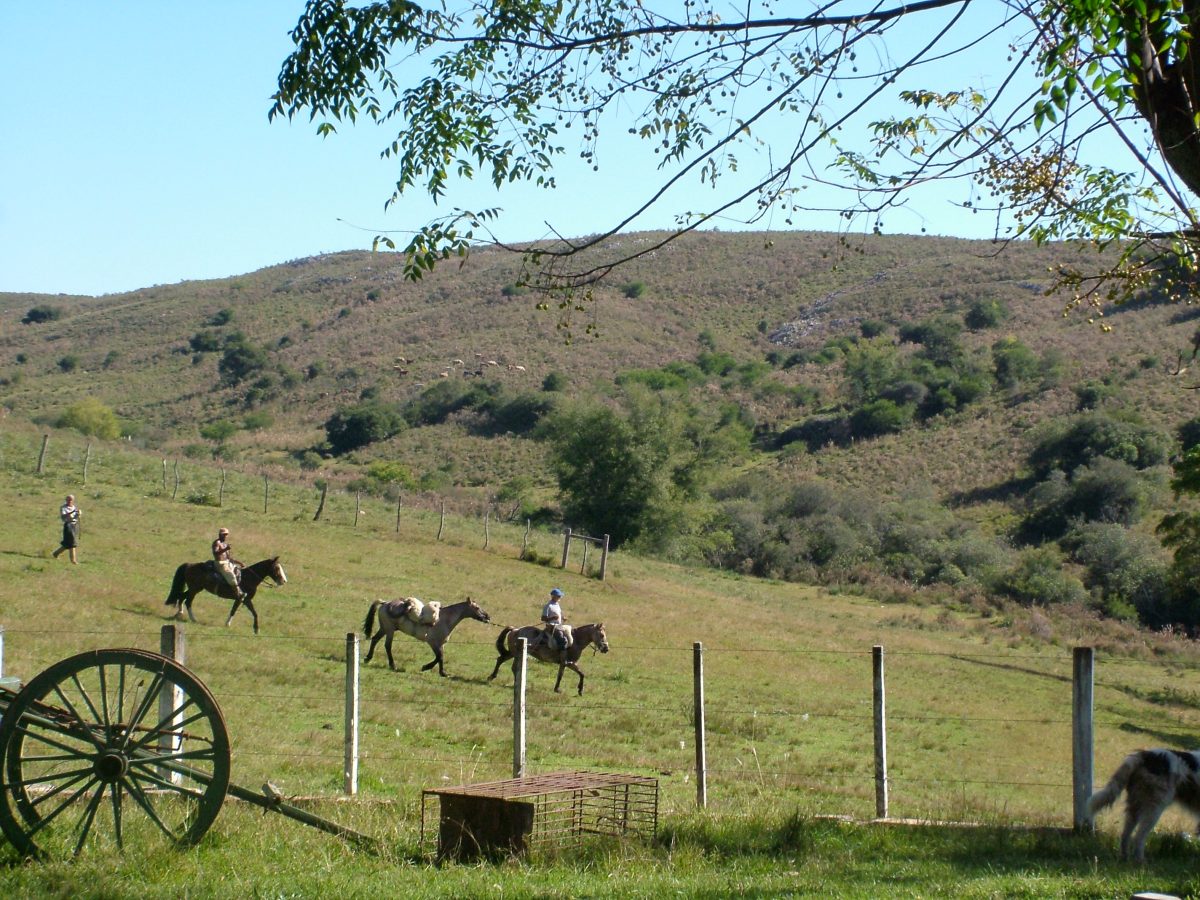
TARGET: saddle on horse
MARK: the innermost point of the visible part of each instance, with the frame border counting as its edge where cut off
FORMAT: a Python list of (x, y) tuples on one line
[(420, 612), (558, 638), (216, 578)]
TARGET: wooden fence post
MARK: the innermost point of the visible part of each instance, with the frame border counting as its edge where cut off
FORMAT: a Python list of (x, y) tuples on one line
[(566, 547), (604, 559), (164, 476), (221, 491), (175, 490), (698, 720), (350, 758), (487, 514), (1082, 734), (42, 456), (87, 458), (520, 664), (321, 505), (583, 565), (442, 521), (399, 503), (881, 785), (266, 492), (357, 506), (525, 539), (172, 645)]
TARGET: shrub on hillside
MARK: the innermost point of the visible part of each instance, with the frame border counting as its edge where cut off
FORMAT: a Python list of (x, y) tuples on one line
[(870, 328), (985, 313), (554, 381), (1081, 439), (1127, 569), (520, 414), (258, 420), (716, 363), (41, 314), (938, 338), (1091, 394), (633, 289), (241, 360), (441, 400), (1038, 579), (1013, 363), (1189, 434), (362, 424), (655, 379), (69, 363), (90, 416), (880, 417), (205, 342), (218, 432), (1108, 490)]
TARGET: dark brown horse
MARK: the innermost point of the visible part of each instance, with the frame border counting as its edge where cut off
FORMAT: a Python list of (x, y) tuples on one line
[(393, 617), (192, 578), (539, 648)]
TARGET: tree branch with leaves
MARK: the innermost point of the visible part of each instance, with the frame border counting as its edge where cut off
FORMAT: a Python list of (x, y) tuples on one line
[(739, 117)]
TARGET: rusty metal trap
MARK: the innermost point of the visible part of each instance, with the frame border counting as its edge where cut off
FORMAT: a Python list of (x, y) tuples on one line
[(542, 812)]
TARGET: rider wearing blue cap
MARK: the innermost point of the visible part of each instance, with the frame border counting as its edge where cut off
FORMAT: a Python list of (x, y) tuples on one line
[(558, 633)]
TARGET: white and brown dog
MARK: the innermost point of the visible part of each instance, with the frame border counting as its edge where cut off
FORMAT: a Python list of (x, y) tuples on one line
[(1152, 780)]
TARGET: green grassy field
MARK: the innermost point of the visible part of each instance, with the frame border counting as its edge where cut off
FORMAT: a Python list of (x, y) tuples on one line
[(979, 707)]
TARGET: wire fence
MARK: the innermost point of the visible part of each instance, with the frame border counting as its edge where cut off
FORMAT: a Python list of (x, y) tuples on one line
[(776, 732), (455, 517)]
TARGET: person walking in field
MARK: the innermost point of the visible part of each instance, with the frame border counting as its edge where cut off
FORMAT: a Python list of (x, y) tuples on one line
[(69, 513), (557, 632), (221, 552)]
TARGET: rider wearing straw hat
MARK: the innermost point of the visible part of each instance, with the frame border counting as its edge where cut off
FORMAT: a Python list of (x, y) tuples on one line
[(224, 562)]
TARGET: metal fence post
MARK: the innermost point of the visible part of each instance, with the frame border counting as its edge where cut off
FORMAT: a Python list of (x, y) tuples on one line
[(1082, 734), (350, 759)]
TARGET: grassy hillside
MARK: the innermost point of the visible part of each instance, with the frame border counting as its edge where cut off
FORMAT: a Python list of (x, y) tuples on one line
[(979, 705), (334, 326)]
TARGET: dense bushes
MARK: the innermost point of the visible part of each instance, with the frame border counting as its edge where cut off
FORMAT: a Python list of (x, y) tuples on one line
[(1108, 490), (241, 360), (90, 416), (41, 314), (362, 424), (1085, 437)]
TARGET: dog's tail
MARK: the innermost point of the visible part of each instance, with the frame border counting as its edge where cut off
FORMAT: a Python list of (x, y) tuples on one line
[(1108, 794)]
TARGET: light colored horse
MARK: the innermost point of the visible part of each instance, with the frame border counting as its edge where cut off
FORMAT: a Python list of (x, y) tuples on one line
[(506, 646), (393, 617)]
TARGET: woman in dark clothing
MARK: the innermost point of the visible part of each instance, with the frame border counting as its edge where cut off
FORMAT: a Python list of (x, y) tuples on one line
[(70, 522)]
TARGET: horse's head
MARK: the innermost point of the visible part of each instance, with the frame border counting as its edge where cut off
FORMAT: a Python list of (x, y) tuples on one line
[(599, 638), (277, 574), (475, 611)]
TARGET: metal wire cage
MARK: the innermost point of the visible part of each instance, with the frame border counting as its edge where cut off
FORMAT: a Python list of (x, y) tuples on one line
[(543, 812)]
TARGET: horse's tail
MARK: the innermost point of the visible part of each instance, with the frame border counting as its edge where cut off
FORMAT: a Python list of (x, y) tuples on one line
[(502, 640), (369, 621), (176, 586)]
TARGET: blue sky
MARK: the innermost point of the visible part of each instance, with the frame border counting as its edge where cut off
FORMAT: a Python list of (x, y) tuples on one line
[(135, 150)]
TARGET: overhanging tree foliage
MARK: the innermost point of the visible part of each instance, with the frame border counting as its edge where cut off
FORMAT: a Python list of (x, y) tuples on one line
[(756, 105)]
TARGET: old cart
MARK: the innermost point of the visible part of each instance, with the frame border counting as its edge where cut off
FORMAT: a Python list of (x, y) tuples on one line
[(118, 746)]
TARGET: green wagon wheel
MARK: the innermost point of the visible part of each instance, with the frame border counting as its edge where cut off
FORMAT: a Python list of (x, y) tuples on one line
[(107, 749)]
